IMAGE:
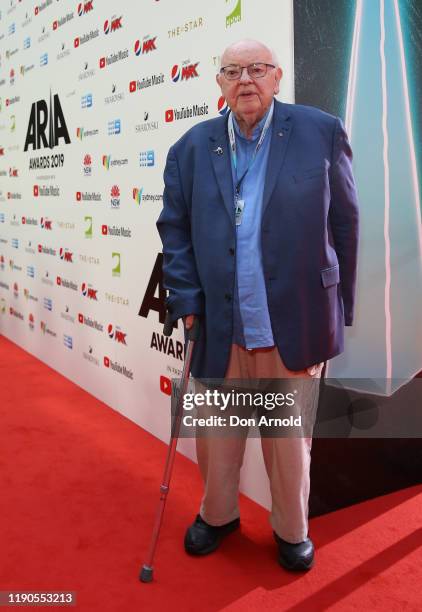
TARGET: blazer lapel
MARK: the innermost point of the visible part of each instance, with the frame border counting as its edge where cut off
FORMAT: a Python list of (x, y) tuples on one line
[(282, 128), (220, 157)]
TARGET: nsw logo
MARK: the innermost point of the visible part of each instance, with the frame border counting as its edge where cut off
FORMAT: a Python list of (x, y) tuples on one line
[(87, 165), (115, 197)]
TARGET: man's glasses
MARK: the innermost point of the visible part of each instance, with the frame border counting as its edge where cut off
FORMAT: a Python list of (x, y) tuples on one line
[(255, 71)]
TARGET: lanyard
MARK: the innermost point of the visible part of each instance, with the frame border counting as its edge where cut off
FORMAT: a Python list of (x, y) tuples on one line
[(232, 139)]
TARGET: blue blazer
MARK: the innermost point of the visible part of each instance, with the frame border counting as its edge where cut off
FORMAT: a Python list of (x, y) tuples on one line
[(309, 233)]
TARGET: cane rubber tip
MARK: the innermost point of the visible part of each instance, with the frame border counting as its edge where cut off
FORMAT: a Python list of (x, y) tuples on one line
[(146, 574)]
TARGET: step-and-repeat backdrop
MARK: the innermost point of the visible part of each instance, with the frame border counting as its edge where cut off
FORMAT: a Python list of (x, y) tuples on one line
[(92, 95)]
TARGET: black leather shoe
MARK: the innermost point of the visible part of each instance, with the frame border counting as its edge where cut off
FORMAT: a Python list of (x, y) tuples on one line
[(201, 538), (295, 557)]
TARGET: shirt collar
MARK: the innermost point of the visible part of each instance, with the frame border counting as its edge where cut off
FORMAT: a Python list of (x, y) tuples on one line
[(258, 128)]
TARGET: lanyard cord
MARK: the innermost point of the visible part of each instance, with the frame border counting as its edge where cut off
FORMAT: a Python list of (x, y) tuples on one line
[(232, 139)]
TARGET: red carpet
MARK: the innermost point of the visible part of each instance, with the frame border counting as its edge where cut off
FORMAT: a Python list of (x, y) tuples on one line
[(79, 485)]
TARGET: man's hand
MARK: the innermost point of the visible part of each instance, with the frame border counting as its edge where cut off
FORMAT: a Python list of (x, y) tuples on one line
[(188, 321)]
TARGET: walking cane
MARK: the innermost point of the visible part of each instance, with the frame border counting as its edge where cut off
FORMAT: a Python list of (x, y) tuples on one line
[(147, 570)]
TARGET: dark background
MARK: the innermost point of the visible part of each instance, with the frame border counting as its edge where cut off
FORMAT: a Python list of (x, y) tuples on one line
[(346, 471)]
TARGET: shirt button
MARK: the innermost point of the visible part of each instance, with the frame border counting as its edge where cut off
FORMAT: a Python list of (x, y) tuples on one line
[(228, 297)]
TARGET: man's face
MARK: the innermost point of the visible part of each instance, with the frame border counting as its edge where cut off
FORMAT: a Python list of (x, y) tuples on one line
[(249, 98)]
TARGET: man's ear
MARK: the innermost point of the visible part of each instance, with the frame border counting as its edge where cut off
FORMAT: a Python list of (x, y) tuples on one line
[(278, 77), (218, 78)]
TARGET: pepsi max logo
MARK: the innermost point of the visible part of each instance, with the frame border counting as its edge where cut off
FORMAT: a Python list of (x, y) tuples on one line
[(66, 255), (89, 292), (175, 73), (184, 73), (85, 7), (145, 46), (116, 334), (113, 24), (222, 106), (46, 224)]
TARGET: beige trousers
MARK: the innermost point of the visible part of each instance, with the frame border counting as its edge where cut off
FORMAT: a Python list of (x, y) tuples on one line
[(287, 459)]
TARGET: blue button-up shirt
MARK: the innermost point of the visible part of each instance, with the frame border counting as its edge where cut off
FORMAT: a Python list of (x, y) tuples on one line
[(252, 325)]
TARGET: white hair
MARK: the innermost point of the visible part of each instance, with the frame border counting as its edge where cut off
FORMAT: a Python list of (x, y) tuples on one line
[(251, 40)]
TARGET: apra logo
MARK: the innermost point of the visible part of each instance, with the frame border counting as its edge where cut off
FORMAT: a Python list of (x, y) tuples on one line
[(88, 224), (46, 125), (236, 14), (113, 24), (116, 269), (188, 71)]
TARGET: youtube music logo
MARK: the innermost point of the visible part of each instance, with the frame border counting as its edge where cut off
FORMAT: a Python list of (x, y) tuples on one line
[(186, 112), (165, 385)]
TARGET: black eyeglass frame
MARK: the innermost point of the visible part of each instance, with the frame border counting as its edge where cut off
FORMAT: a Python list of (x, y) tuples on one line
[(223, 68)]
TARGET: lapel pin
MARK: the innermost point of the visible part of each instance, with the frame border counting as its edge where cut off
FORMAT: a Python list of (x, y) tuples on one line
[(280, 134), (219, 151)]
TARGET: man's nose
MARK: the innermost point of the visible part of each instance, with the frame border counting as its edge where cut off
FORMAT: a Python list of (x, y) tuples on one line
[(244, 76)]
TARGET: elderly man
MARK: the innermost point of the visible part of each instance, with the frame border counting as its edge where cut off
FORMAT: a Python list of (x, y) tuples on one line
[(259, 230)]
